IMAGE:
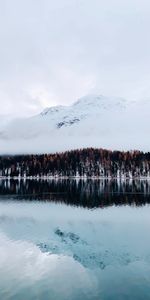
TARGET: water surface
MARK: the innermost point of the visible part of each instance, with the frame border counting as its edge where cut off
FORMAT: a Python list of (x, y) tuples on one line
[(74, 240)]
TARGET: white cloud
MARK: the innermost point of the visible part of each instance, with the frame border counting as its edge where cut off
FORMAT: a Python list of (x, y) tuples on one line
[(55, 51)]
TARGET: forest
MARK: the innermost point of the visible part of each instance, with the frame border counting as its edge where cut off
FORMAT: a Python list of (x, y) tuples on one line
[(86, 163)]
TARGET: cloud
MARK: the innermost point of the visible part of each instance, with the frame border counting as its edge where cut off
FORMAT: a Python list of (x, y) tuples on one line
[(54, 52), (22, 262)]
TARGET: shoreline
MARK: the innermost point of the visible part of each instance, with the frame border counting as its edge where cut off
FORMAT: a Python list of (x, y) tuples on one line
[(120, 178)]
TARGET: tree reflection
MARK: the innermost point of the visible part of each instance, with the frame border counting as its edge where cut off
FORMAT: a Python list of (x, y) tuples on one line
[(85, 193)]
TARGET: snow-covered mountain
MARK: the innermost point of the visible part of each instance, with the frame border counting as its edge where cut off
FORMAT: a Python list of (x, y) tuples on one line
[(92, 121)]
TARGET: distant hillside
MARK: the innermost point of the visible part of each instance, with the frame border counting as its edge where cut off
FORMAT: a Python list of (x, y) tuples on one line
[(85, 163)]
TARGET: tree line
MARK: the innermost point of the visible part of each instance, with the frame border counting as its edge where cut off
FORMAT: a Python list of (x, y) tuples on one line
[(88, 162)]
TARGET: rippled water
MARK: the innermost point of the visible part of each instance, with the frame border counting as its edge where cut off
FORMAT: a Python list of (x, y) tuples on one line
[(85, 240)]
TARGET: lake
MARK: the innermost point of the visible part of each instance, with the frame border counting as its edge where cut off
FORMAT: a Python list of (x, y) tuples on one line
[(74, 239)]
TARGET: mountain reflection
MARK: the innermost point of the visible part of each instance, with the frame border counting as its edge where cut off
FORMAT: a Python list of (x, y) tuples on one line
[(84, 193)]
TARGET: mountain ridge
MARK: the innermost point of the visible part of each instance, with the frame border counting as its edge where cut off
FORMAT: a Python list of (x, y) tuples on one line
[(91, 121)]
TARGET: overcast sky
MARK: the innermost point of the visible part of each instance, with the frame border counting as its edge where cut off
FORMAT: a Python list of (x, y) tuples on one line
[(53, 52)]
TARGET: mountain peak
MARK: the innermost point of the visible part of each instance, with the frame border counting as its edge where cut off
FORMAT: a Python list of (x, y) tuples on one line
[(99, 101), (89, 103), (92, 121), (89, 99), (52, 110)]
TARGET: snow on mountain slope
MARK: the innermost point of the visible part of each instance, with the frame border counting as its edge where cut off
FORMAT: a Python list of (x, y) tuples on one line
[(92, 121)]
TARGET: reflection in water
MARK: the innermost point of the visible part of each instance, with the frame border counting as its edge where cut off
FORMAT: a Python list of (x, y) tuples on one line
[(85, 193), (50, 250)]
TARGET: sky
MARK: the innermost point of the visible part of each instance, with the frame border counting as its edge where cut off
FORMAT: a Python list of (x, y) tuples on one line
[(54, 52)]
